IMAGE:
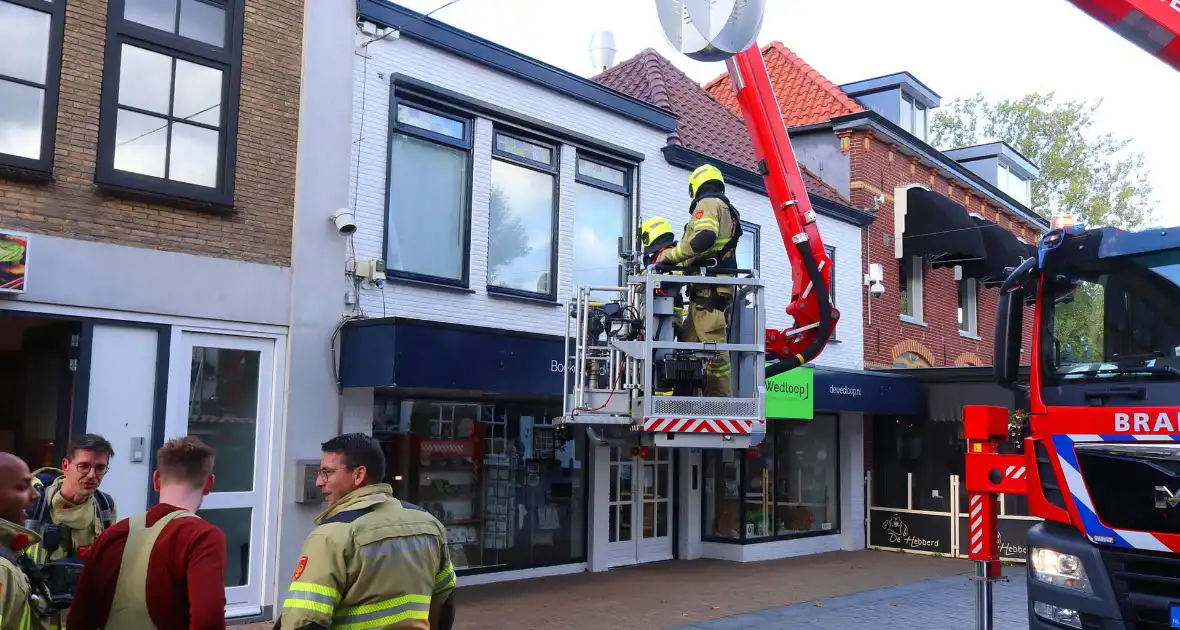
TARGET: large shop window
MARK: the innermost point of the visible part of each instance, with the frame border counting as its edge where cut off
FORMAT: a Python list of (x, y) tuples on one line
[(170, 97), (523, 213), (429, 167), (786, 487), (602, 212), (30, 59), (508, 486)]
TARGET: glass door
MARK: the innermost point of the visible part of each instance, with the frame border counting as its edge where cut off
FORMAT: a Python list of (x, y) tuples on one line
[(655, 541), (639, 507), (621, 508), (222, 391)]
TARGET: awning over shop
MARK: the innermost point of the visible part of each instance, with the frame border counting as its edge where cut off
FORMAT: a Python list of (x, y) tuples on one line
[(867, 392), (1003, 251), (937, 228), (945, 401), (411, 353)]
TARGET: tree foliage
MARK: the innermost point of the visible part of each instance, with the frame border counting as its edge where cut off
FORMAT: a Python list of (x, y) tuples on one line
[(1096, 177), (508, 239)]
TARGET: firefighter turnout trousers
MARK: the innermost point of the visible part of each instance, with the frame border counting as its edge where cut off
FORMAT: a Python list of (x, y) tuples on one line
[(706, 322), (129, 607), (372, 562)]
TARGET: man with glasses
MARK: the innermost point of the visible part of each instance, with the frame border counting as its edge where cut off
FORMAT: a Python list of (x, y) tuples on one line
[(71, 511), (372, 561)]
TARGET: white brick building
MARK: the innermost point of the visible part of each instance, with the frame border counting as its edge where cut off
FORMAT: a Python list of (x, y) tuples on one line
[(450, 365)]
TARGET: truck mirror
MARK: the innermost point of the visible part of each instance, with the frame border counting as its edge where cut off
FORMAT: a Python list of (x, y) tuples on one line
[(1009, 333)]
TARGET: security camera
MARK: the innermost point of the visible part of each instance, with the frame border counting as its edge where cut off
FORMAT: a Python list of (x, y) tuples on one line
[(344, 221), (877, 289)]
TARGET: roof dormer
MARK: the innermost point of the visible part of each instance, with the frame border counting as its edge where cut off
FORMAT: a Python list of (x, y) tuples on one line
[(1002, 166), (901, 98)]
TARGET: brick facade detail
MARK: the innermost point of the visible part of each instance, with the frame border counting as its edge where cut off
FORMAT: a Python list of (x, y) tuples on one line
[(260, 228), (877, 167)]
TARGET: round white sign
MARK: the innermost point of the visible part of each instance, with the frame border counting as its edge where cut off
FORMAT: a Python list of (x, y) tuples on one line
[(711, 30)]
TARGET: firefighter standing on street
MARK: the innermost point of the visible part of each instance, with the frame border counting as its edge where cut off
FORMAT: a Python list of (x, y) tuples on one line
[(17, 608), (71, 511), (372, 561), (709, 240)]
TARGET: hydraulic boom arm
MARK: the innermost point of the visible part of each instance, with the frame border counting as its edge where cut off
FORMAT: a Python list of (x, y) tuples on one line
[(811, 267)]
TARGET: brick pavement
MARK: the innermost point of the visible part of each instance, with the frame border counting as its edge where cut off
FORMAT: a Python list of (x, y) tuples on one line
[(943, 603), (679, 593)]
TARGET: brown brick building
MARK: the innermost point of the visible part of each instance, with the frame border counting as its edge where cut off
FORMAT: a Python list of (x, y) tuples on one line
[(966, 213), (147, 198)]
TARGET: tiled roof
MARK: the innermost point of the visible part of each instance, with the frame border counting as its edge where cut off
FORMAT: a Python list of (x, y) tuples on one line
[(704, 124), (804, 95)]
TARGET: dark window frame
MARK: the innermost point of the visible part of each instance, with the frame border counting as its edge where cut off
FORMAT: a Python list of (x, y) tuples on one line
[(41, 169), (467, 145), (554, 232), (755, 229), (743, 488), (626, 191), (228, 59)]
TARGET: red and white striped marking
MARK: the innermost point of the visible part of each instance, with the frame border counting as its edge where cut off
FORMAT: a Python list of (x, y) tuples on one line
[(700, 425), (1015, 472), (976, 519)]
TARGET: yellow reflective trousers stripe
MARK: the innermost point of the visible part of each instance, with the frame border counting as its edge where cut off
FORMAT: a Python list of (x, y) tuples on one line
[(321, 599), (382, 614)]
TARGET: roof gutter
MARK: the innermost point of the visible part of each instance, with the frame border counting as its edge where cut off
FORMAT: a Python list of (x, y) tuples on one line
[(414, 25), (869, 119), (686, 158)]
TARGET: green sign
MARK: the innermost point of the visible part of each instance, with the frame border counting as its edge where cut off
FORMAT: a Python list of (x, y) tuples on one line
[(791, 394)]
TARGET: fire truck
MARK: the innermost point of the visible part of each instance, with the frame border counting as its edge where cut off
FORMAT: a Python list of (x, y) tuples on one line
[(1099, 449), (626, 372), (1100, 460)]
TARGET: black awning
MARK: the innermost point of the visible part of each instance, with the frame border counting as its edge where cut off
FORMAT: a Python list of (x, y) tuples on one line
[(1003, 251), (940, 230)]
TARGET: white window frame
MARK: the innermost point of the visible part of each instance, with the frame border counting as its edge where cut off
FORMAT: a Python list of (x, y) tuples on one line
[(1024, 195), (915, 286), (911, 124), (969, 307)]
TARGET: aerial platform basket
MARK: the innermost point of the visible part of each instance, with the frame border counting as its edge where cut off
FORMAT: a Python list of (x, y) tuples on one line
[(625, 368)]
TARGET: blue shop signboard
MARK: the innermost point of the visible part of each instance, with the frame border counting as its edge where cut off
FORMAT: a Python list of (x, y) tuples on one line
[(408, 353), (867, 392)]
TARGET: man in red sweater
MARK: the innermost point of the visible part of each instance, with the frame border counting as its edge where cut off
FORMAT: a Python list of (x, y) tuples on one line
[(167, 564)]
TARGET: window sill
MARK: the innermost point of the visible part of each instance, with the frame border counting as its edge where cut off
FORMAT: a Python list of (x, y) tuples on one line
[(913, 320), (8, 171), (966, 335), (834, 340), (427, 284), (175, 201), (509, 294)]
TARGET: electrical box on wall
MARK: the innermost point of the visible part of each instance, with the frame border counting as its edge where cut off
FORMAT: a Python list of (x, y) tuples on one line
[(306, 472), (371, 270)]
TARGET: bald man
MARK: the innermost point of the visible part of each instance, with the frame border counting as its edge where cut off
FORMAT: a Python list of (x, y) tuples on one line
[(16, 494)]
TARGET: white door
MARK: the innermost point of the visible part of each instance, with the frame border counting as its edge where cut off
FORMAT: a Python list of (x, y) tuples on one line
[(222, 391), (639, 507)]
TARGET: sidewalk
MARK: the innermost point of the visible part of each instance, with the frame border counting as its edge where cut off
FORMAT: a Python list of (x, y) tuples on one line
[(680, 593), (691, 594), (944, 603)]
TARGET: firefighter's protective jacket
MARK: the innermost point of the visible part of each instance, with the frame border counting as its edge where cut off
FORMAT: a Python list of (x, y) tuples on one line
[(371, 562), (16, 610), (706, 233)]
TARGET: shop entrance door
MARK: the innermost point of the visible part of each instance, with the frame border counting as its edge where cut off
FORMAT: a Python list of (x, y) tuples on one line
[(639, 508), (226, 398)]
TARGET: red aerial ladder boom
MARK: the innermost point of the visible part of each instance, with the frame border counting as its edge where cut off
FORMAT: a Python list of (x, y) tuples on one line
[(814, 315)]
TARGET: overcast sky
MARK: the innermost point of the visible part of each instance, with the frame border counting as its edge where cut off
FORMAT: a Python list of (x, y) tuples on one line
[(1003, 48)]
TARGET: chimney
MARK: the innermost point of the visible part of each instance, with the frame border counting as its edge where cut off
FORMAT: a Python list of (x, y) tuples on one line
[(602, 51)]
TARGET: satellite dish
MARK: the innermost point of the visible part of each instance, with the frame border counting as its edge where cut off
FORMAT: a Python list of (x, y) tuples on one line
[(711, 30)]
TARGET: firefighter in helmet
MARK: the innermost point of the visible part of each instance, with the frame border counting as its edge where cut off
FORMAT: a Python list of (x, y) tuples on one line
[(709, 240)]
